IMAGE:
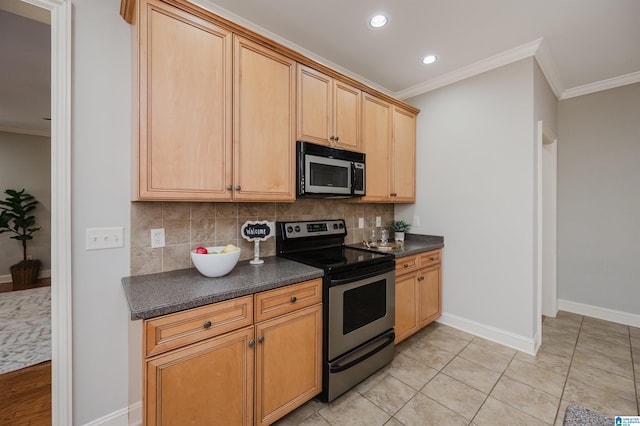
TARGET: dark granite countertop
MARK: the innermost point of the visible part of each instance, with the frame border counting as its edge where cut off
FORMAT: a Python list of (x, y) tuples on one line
[(413, 244), (168, 292)]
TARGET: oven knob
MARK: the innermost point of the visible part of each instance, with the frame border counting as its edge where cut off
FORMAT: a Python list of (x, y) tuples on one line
[(289, 229), (341, 225), (335, 226), (297, 229)]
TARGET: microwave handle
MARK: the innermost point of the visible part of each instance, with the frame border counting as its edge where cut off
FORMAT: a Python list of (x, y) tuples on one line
[(353, 178)]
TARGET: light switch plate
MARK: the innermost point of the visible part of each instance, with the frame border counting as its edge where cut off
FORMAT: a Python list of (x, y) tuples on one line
[(103, 238), (378, 221), (360, 222)]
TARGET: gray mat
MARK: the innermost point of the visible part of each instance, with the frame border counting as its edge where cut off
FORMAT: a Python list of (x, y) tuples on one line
[(580, 416), (25, 328)]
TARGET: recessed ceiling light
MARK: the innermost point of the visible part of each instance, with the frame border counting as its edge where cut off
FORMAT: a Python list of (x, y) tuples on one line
[(429, 59), (378, 21)]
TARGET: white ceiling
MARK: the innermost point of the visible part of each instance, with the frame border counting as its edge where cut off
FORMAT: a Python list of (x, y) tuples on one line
[(581, 45), (577, 42)]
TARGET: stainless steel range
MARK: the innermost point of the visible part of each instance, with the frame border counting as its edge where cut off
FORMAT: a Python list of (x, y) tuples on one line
[(358, 299)]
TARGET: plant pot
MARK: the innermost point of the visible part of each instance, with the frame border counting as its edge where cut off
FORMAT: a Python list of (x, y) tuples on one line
[(399, 236), (25, 272)]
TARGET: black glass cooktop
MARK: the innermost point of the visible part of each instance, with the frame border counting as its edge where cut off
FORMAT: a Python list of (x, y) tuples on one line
[(338, 258)]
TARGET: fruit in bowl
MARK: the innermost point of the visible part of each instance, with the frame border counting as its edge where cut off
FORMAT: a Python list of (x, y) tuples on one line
[(215, 261)]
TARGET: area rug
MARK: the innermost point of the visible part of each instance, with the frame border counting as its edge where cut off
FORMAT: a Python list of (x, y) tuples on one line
[(25, 328), (577, 415)]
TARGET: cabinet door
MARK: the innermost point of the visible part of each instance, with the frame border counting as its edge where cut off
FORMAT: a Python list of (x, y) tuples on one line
[(403, 187), (288, 362), (184, 150), (314, 106), (406, 307), (429, 291), (202, 384), (346, 116), (264, 123), (376, 142)]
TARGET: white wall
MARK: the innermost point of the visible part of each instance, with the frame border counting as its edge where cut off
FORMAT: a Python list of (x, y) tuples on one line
[(599, 199), (25, 163), (100, 181), (475, 187)]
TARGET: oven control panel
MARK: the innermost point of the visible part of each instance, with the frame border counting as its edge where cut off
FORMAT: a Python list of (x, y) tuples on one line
[(334, 227)]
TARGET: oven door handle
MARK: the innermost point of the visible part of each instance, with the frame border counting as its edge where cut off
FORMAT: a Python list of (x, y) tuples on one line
[(358, 277), (338, 368)]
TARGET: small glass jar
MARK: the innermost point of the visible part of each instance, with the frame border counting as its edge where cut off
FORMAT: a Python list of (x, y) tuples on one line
[(384, 237), (373, 236)]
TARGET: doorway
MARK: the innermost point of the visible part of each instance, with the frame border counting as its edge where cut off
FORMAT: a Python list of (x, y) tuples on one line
[(61, 330), (546, 225)]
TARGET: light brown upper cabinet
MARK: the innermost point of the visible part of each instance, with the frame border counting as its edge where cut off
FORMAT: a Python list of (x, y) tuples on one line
[(264, 125), (216, 113), (328, 110), (388, 140), (403, 173)]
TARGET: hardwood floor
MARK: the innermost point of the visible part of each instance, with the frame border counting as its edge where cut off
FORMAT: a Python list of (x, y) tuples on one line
[(25, 395)]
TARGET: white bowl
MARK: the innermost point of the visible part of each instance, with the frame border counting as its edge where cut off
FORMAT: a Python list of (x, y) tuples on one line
[(215, 264)]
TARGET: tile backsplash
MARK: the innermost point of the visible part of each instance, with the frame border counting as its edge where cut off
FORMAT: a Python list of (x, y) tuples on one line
[(188, 225)]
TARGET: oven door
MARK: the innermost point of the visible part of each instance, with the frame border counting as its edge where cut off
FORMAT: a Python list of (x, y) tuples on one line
[(324, 175), (360, 309)]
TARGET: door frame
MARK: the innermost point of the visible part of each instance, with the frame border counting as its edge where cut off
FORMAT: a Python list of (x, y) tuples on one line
[(546, 226), (61, 297)]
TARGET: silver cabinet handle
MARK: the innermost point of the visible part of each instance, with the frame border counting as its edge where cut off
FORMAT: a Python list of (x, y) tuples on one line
[(229, 187), (237, 187), (251, 343), (261, 339)]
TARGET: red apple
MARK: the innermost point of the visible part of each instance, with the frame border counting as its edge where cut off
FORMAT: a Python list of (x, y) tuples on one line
[(200, 250)]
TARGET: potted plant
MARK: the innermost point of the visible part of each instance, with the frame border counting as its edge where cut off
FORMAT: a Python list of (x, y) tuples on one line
[(399, 227), (15, 217)]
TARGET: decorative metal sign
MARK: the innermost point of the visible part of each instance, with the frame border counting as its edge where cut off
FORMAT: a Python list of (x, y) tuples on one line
[(256, 231)]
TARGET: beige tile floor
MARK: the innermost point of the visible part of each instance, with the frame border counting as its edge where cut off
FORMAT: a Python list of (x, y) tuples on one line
[(442, 376)]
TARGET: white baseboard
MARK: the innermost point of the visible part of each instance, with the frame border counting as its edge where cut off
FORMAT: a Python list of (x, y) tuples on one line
[(131, 416), (506, 338), (606, 314), (45, 273)]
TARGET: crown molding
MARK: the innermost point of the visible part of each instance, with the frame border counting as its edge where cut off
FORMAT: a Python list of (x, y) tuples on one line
[(488, 64), (548, 66), (610, 83), (31, 132)]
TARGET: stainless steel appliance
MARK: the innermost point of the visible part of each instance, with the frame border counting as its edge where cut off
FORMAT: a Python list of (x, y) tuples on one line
[(358, 300), (323, 171)]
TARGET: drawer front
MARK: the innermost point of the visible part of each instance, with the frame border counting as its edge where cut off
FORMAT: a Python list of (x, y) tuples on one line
[(173, 331), (282, 300), (430, 258), (406, 264)]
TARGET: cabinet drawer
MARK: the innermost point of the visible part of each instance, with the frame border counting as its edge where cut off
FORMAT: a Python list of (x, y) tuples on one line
[(406, 264), (173, 331), (430, 258), (282, 300)]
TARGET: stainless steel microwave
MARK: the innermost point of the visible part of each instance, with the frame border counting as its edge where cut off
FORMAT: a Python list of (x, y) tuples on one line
[(328, 172)]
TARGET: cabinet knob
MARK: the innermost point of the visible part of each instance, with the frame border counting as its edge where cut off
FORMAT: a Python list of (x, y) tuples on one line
[(332, 137), (337, 138), (207, 324), (432, 259), (251, 343), (294, 299), (237, 187), (229, 187), (406, 265), (394, 194), (420, 278), (260, 339)]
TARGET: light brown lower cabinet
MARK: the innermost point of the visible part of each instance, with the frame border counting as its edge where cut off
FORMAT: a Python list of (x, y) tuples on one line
[(252, 375), (418, 292)]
